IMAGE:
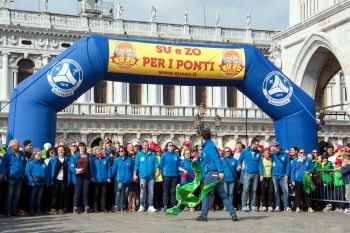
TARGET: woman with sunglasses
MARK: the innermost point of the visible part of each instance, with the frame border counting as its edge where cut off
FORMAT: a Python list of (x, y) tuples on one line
[(122, 169), (100, 176), (300, 166), (81, 168), (229, 164), (169, 165)]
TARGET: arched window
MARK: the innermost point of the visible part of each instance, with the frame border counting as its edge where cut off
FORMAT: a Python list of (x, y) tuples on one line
[(201, 95), (168, 95), (25, 69), (135, 93), (231, 97), (100, 92)]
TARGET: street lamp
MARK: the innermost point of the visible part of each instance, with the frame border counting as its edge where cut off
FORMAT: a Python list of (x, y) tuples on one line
[(199, 120)]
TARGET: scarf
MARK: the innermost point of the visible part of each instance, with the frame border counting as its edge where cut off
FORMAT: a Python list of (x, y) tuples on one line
[(100, 157), (300, 159), (323, 163)]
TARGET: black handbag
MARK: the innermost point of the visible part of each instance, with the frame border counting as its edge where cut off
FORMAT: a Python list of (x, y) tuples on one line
[(39, 178)]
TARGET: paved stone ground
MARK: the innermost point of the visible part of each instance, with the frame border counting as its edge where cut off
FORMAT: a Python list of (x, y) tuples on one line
[(219, 221)]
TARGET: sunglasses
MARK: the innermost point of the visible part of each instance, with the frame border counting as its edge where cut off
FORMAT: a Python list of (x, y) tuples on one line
[(227, 151), (121, 151), (73, 145), (314, 152), (302, 152), (170, 145)]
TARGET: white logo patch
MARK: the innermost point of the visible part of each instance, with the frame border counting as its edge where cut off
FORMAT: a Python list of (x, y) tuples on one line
[(142, 159), (65, 77), (277, 88)]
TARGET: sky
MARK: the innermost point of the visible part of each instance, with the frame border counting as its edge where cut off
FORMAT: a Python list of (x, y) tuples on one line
[(266, 14)]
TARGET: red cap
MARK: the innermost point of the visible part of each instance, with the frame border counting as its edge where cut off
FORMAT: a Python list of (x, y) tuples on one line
[(186, 143), (157, 148), (338, 161), (348, 151), (153, 145), (261, 146)]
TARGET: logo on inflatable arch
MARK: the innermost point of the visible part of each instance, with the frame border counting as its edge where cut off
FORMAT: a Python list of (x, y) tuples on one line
[(232, 62), (125, 55), (65, 77), (277, 88)]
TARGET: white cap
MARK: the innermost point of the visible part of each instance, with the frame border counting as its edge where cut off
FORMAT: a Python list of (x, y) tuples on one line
[(47, 146)]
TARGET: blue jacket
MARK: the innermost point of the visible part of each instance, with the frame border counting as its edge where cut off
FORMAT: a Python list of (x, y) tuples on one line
[(73, 164), (345, 171), (146, 164), (14, 166), (169, 164), (51, 169), (281, 164), (210, 157), (36, 167), (296, 173), (186, 164), (229, 177), (123, 168), (252, 164), (101, 170), (2, 169)]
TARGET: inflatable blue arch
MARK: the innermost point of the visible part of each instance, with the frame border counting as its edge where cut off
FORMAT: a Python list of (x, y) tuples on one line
[(36, 101)]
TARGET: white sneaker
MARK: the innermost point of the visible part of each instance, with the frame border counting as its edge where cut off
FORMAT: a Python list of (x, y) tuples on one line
[(328, 208), (248, 209), (277, 209), (270, 209), (264, 209), (347, 211), (261, 208), (151, 209), (142, 209), (336, 210)]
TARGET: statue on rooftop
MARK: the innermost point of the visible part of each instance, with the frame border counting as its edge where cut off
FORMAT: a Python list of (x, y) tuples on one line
[(153, 14)]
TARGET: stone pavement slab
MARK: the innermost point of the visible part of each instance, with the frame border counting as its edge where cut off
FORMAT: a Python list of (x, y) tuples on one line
[(146, 222)]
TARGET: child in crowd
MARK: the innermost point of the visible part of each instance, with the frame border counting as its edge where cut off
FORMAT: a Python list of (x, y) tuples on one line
[(186, 174), (339, 189), (325, 168)]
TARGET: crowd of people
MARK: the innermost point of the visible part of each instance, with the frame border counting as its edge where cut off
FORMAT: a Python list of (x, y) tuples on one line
[(141, 176)]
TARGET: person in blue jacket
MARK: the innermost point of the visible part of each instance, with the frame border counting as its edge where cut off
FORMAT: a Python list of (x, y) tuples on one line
[(300, 166), (169, 165), (186, 168), (122, 169), (2, 173), (229, 165), (145, 164), (100, 176), (14, 163), (37, 176), (280, 172), (60, 178), (214, 172), (253, 165), (82, 173)]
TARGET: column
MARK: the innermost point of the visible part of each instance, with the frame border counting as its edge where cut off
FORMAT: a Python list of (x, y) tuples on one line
[(128, 93), (210, 102), (177, 95), (155, 138), (249, 103), (218, 99), (347, 86), (186, 96), (120, 139), (220, 144), (83, 137), (337, 93), (5, 74), (3, 139), (92, 95), (144, 99), (109, 92), (154, 94), (120, 92), (302, 11), (340, 141), (194, 96), (240, 100), (225, 97), (15, 78), (161, 95), (329, 96)]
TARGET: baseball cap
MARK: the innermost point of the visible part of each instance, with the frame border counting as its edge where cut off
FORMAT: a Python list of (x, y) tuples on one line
[(186, 143), (47, 146), (135, 144), (276, 144), (108, 141)]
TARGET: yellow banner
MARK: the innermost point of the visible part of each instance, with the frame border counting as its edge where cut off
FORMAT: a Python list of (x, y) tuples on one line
[(175, 61)]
